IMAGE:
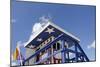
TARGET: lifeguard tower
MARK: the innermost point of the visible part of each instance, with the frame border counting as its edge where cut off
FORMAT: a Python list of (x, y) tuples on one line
[(54, 45)]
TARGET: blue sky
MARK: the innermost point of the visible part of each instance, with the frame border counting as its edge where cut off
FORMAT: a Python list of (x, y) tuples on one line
[(76, 19)]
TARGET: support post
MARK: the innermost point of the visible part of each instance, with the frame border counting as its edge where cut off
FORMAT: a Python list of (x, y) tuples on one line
[(76, 54), (68, 57), (67, 60), (52, 51), (49, 53), (63, 54), (83, 53)]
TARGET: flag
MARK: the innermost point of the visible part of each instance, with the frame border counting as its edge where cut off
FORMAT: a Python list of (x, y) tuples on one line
[(16, 54)]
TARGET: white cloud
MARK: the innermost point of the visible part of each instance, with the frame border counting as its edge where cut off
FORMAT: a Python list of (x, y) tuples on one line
[(38, 26), (92, 45), (19, 44), (35, 29)]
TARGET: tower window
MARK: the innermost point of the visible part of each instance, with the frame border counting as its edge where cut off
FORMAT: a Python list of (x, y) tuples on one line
[(56, 46)]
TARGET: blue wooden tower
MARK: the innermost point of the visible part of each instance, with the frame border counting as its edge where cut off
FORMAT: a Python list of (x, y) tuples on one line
[(53, 45)]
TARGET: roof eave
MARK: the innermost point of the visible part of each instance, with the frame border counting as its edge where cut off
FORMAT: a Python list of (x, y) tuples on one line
[(50, 23)]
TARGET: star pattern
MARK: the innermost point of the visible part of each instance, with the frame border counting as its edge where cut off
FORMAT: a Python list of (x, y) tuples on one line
[(31, 46), (50, 30), (39, 39)]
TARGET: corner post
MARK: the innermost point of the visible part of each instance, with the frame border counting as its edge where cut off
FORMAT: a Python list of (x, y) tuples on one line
[(63, 54)]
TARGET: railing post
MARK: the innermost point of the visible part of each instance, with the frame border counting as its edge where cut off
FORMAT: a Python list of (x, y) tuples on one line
[(63, 54)]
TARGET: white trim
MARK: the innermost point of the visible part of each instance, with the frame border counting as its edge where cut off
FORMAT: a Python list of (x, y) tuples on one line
[(81, 2), (65, 31)]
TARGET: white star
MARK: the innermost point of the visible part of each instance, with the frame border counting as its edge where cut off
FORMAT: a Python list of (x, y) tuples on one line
[(31, 46), (39, 39), (50, 30)]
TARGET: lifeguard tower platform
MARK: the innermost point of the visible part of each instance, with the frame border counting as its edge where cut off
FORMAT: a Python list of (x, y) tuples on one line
[(54, 45)]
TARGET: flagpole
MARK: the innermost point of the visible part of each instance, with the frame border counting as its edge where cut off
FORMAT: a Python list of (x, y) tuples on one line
[(20, 59), (20, 55)]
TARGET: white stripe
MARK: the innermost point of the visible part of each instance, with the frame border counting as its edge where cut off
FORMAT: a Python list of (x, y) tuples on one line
[(82, 2)]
